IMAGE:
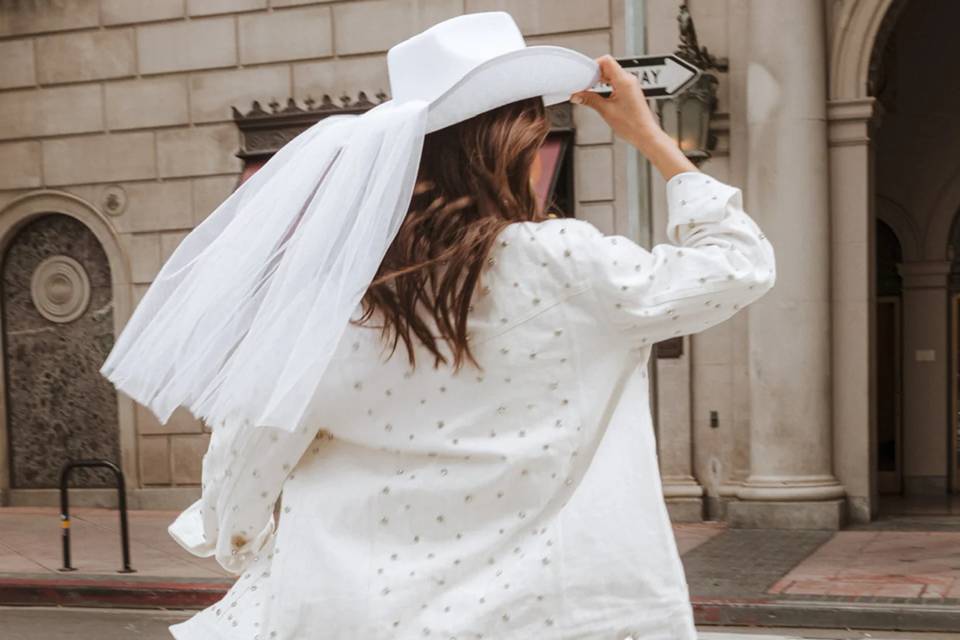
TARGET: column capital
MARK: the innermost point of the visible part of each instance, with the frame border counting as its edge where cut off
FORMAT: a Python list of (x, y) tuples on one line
[(851, 110), (925, 274), (850, 122)]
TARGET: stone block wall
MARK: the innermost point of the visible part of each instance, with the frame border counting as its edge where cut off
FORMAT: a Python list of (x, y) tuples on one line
[(126, 104)]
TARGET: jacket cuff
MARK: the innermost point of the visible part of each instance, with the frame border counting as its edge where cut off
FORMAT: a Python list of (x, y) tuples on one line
[(243, 550), (695, 198), (187, 531)]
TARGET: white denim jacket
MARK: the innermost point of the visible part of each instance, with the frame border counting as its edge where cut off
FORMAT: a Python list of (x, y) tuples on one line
[(521, 501)]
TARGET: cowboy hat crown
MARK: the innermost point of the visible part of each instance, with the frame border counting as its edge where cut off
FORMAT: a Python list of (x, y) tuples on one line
[(478, 61)]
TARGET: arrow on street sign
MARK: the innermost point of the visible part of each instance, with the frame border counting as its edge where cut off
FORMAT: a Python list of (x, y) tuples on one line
[(660, 76)]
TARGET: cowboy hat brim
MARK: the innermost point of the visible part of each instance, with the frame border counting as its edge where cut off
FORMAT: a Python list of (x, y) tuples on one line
[(544, 70)]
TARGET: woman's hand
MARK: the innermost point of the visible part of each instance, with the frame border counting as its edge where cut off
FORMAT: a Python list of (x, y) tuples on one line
[(628, 114)]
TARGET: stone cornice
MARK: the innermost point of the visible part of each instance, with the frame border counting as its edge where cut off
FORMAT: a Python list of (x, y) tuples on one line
[(263, 132)]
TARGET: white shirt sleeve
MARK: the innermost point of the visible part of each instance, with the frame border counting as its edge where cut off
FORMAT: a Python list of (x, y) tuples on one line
[(243, 473), (717, 262)]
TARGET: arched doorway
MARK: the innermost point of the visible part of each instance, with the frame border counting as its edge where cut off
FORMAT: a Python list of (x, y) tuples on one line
[(953, 439), (915, 78), (889, 397), (890, 114), (57, 329), (14, 216)]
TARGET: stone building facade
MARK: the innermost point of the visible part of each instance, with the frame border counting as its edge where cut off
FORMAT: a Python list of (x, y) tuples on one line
[(116, 125), (805, 410)]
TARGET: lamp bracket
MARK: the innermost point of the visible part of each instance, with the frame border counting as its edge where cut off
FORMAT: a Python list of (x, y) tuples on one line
[(690, 49)]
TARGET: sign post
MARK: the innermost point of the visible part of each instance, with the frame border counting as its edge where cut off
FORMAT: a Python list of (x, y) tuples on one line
[(660, 76)]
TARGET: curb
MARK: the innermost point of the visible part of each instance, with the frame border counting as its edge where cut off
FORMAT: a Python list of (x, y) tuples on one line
[(887, 616), (109, 591), (185, 593)]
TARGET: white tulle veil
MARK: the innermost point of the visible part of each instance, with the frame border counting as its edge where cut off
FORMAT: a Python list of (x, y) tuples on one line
[(243, 318)]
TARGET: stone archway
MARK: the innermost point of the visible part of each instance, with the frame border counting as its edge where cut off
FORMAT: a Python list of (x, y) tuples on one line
[(890, 161), (67, 211), (909, 236), (858, 30), (940, 230)]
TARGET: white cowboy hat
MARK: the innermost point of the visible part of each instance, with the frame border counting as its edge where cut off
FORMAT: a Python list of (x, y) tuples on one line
[(241, 321), (473, 63)]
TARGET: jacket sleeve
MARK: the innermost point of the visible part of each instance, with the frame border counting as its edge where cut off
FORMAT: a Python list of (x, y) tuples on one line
[(243, 473), (717, 261)]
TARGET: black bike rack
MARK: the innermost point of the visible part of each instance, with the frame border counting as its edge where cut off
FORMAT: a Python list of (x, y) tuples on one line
[(65, 510)]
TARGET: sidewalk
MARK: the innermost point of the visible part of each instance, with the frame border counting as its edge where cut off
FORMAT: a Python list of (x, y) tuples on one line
[(166, 575), (897, 574), (901, 573)]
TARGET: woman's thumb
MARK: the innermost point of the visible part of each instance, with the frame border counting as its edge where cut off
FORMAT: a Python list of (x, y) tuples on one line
[(589, 98)]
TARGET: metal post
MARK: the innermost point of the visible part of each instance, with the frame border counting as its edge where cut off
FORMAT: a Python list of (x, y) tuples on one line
[(121, 503), (124, 531), (65, 518)]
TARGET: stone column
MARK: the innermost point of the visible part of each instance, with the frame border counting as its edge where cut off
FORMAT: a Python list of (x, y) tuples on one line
[(791, 482), (683, 494), (926, 377), (853, 301)]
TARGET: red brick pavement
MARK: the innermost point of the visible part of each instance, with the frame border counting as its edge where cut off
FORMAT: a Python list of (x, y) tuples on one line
[(894, 564)]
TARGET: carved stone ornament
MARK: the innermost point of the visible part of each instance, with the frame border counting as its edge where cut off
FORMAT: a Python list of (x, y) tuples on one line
[(690, 49), (114, 200), (60, 289), (263, 133)]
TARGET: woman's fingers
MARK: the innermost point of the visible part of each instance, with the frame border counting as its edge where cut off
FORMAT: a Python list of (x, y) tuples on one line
[(613, 74), (619, 79), (590, 99), (626, 109)]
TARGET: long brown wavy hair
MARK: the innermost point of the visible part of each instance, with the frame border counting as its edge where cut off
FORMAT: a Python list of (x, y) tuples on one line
[(474, 179)]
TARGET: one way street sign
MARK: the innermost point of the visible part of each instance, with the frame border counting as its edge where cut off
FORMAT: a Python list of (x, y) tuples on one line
[(660, 76)]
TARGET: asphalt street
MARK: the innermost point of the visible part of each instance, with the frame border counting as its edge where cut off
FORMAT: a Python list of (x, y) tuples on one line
[(45, 623)]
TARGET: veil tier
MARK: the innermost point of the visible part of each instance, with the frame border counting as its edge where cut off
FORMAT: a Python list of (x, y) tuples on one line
[(241, 321)]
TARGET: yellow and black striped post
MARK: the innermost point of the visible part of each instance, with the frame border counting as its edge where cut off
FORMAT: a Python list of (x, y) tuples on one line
[(65, 511)]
